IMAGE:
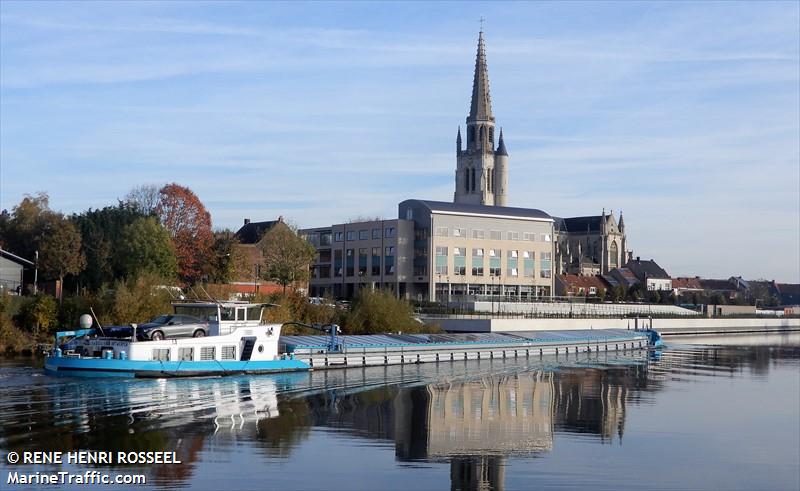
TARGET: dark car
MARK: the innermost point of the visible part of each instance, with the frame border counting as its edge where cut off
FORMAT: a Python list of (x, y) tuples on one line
[(172, 326)]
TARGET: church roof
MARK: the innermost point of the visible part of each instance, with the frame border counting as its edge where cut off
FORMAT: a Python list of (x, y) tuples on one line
[(481, 106), (580, 224), (470, 209)]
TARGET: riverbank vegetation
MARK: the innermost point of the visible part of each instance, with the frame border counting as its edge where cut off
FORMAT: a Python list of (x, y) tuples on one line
[(126, 263)]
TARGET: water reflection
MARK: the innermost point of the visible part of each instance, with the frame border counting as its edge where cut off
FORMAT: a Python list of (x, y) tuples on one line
[(471, 416)]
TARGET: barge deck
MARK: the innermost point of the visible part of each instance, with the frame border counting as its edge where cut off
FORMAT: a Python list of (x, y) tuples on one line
[(397, 349)]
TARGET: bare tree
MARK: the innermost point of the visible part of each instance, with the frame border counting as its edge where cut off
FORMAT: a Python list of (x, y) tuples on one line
[(144, 197)]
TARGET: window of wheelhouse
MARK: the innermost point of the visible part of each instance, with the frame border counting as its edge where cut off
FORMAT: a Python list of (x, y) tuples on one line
[(226, 313), (240, 314)]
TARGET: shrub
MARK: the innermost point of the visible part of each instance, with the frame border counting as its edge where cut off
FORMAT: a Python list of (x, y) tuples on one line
[(376, 311), (37, 314)]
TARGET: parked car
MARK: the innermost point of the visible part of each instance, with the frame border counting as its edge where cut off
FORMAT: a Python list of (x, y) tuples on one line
[(172, 326)]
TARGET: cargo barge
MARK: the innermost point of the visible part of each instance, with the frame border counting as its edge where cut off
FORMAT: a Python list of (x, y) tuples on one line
[(239, 343)]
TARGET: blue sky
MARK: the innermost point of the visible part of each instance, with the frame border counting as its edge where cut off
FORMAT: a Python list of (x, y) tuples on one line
[(686, 116)]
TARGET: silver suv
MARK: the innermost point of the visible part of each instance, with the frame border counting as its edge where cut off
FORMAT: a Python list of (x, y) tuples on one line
[(172, 326)]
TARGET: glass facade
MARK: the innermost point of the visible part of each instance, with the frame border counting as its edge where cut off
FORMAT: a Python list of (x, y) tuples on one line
[(544, 264), (495, 262), (441, 260), (337, 263), (350, 262), (459, 261), (362, 261), (513, 263), (528, 264), (376, 261), (477, 262)]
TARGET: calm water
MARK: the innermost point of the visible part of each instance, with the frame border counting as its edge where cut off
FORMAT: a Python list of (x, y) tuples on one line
[(698, 417)]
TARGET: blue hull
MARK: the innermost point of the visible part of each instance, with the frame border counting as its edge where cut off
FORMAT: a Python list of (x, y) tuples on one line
[(99, 367)]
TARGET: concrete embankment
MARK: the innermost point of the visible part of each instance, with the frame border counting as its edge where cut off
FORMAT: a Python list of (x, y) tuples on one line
[(695, 325)]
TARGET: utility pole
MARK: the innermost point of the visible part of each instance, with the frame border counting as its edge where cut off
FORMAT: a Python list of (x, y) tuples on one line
[(36, 273)]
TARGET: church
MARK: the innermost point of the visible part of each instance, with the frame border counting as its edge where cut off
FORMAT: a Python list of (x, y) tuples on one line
[(587, 245), (476, 245)]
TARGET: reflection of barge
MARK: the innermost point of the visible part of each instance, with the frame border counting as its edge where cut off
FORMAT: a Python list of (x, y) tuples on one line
[(240, 344)]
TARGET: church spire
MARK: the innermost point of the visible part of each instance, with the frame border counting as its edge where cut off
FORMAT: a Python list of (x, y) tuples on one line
[(458, 139), (501, 145), (481, 106)]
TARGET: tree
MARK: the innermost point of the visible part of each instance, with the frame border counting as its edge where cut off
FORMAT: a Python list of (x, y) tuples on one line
[(61, 252), (23, 228), (225, 259), (287, 256), (101, 231), (145, 247), (376, 311), (182, 213), (144, 198)]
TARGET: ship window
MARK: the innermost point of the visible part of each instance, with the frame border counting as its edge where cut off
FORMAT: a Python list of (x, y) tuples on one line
[(185, 354), (240, 314), (229, 352), (227, 314), (254, 313), (161, 354), (207, 353)]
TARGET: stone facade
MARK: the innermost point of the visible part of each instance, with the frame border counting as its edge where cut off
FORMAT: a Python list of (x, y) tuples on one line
[(591, 245)]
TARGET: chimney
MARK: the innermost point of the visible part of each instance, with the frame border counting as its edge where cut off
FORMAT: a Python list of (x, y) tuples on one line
[(246, 221)]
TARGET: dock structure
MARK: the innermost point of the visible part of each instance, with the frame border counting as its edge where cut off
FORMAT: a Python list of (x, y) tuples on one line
[(399, 349)]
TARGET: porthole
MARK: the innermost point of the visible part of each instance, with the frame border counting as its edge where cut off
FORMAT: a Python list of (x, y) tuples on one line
[(260, 348)]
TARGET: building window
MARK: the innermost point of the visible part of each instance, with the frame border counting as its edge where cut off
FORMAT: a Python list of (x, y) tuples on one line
[(459, 232), (441, 231), (350, 263), (545, 237), (477, 262), (390, 232), (513, 263), (376, 261), (228, 352), (613, 256), (544, 264), (528, 263), (478, 234), (388, 260), (459, 261), (337, 263), (495, 235), (441, 260), (351, 235), (529, 236), (363, 234), (495, 262), (325, 239), (338, 236), (376, 233), (513, 235), (362, 261)]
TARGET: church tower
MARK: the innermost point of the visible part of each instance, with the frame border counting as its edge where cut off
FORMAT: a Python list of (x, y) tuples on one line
[(481, 171)]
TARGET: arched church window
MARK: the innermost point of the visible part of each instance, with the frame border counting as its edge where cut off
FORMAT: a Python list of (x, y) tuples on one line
[(473, 180), (466, 180), (471, 135), (613, 260), (491, 136)]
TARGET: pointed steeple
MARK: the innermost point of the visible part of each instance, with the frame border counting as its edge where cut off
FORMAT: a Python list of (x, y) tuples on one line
[(481, 106), (621, 224), (458, 139), (501, 145)]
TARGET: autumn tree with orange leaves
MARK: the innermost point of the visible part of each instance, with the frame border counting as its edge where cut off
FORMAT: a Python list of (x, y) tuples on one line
[(182, 213)]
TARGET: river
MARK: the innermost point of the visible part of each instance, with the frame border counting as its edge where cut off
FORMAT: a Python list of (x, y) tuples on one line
[(702, 414)]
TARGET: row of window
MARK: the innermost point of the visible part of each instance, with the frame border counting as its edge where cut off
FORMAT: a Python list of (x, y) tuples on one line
[(367, 264), (514, 267), (207, 353), (364, 234), (493, 234)]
